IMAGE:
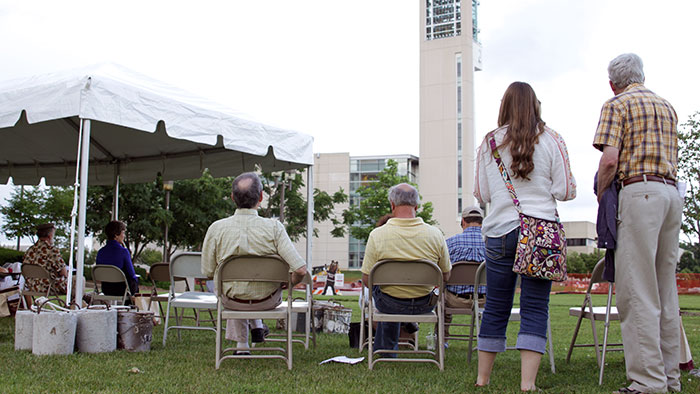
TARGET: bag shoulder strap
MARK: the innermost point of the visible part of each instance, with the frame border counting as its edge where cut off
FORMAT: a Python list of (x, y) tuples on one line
[(504, 172), (506, 177)]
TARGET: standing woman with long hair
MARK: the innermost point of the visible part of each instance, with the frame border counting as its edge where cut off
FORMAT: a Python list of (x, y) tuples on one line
[(536, 159)]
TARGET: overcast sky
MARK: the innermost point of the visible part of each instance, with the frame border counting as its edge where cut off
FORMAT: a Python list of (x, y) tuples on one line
[(347, 72)]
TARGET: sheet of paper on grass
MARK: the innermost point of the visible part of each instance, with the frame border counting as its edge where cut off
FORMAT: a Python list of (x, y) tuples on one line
[(343, 359)]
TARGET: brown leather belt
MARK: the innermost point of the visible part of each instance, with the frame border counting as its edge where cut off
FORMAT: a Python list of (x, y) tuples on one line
[(649, 178), (252, 301)]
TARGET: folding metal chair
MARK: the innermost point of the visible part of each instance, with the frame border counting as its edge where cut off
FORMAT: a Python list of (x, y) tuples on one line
[(103, 273), (35, 271), (187, 265), (601, 313), (463, 273), (514, 315), (159, 272), (407, 273), (254, 269)]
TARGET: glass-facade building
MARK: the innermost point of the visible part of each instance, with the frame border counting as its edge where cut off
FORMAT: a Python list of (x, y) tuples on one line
[(363, 171)]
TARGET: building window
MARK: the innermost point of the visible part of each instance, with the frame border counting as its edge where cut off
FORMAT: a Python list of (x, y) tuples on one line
[(443, 18), (458, 67), (475, 21), (576, 241)]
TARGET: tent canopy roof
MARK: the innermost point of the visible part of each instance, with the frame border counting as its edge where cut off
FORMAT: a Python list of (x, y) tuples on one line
[(139, 127)]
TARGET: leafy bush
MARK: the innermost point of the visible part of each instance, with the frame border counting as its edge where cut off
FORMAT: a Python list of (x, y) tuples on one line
[(149, 257), (582, 263), (10, 256)]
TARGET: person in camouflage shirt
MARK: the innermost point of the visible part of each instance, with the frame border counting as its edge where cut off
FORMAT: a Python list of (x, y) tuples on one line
[(45, 254)]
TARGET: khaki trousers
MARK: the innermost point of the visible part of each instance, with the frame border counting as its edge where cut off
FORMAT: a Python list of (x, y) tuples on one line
[(237, 329), (453, 301), (645, 276)]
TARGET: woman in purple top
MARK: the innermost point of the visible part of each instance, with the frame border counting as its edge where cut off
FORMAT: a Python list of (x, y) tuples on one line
[(114, 253)]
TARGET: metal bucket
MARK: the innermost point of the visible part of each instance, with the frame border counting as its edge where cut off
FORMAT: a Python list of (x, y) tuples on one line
[(96, 331), (134, 331)]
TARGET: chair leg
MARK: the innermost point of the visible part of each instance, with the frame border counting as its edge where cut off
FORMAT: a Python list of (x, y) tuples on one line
[(471, 340), (595, 334), (218, 335), (165, 329), (605, 334), (370, 340), (178, 321), (289, 338), (441, 332), (361, 344), (578, 326)]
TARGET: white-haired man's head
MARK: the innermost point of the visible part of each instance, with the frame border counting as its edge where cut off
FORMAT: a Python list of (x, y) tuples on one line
[(404, 194), (625, 70)]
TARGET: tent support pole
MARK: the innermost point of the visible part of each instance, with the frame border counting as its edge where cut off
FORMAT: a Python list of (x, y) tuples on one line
[(115, 198), (82, 208), (309, 214)]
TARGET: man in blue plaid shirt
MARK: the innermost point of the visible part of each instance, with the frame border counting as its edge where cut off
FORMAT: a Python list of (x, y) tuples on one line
[(467, 246)]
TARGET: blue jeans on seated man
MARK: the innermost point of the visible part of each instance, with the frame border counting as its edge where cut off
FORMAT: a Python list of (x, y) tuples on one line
[(500, 289), (387, 337)]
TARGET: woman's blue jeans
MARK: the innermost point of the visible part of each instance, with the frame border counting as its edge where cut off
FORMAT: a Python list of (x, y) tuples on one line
[(500, 289)]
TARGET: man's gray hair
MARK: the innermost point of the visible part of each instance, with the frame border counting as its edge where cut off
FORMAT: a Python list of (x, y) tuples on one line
[(404, 194), (625, 70), (248, 195)]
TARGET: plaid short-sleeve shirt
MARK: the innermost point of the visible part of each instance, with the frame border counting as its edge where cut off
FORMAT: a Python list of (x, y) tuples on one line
[(643, 126)]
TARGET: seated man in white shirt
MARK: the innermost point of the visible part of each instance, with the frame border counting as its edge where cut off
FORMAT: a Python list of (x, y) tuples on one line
[(246, 233)]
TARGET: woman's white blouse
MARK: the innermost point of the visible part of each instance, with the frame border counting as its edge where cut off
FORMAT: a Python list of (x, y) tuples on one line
[(551, 180)]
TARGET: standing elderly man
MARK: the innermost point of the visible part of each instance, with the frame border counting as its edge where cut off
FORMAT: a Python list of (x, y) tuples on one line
[(404, 237), (638, 137), (245, 233)]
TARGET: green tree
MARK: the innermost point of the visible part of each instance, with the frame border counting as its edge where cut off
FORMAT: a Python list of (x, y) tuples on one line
[(689, 172), (23, 212), (194, 205), (359, 219), (582, 263), (26, 209), (141, 207), (295, 207)]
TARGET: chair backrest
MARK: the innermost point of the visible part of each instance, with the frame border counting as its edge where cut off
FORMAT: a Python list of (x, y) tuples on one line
[(35, 271), (463, 273), (159, 272), (480, 276), (108, 273), (252, 269), (186, 265), (405, 273), (597, 274)]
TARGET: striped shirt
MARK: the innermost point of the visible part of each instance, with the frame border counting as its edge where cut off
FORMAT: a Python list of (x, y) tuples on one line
[(466, 246), (642, 126), (246, 233)]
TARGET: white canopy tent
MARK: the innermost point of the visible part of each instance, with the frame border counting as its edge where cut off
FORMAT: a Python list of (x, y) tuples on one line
[(105, 124)]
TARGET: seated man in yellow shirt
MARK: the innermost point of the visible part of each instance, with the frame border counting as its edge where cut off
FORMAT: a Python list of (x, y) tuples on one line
[(246, 233), (405, 237)]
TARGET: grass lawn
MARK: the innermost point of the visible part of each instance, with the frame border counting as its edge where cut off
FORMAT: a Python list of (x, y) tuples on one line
[(188, 365)]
